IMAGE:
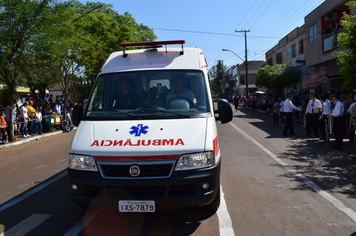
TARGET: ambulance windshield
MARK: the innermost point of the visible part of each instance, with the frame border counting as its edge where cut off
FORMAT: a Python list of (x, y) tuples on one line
[(161, 94)]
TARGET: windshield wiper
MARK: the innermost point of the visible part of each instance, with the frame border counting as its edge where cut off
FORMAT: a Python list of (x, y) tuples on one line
[(161, 111), (121, 112)]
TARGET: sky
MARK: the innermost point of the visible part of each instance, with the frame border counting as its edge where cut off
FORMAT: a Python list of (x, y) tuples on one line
[(211, 25)]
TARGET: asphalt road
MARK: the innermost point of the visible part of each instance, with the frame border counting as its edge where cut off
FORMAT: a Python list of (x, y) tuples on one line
[(271, 185)]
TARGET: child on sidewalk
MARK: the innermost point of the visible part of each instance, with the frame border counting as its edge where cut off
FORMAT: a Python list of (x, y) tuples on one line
[(38, 121), (3, 126)]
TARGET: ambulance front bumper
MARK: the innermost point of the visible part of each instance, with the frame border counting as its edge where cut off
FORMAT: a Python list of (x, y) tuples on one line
[(183, 189)]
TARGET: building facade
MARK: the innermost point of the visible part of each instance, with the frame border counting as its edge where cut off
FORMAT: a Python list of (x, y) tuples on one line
[(322, 26), (311, 47), (252, 68), (231, 80)]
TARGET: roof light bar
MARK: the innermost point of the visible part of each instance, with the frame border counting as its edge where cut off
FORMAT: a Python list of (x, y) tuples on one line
[(152, 44)]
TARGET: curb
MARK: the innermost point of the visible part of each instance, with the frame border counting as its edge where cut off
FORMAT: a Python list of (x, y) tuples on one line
[(30, 139)]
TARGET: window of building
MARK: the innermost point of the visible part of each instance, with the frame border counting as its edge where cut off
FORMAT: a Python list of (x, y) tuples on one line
[(242, 79), (301, 47), (279, 58), (270, 61), (293, 51), (312, 33)]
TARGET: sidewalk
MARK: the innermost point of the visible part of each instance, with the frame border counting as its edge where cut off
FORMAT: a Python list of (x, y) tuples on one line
[(348, 148), (21, 140)]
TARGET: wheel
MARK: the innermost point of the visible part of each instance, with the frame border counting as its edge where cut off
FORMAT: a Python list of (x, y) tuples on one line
[(204, 212)]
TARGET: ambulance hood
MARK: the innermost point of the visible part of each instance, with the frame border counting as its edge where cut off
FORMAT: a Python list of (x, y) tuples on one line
[(140, 138)]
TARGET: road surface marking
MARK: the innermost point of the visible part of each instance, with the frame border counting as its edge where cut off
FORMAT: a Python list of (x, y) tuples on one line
[(31, 192), (225, 223), (339, 205), (39, 167), (65, 159), (79, 226), (25, 226)]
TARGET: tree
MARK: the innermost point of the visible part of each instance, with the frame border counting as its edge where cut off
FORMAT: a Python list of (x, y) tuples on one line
[(216, 76), (19, 24), (278, 77), (346, 57), (88, 40)]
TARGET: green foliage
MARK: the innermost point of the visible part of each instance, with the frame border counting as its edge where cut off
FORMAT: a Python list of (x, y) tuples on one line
[(45, 43), (216, 76), (346, 57), (278, 77), (6, 96)]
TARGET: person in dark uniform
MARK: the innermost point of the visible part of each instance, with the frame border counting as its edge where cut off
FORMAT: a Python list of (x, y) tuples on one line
[(128, 99), (288, 109), (338, 115), (313, 113)]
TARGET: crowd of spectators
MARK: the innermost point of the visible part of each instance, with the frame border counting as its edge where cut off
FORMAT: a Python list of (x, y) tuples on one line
[(30, 117), (273, 104)]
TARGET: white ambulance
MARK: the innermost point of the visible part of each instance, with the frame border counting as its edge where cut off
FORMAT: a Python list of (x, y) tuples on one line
[(147, 138)]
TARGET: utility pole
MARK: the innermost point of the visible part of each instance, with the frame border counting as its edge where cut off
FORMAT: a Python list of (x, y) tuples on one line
[(246, 62)]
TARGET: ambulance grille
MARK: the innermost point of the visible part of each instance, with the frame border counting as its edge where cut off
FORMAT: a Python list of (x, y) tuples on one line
[(146, 170)]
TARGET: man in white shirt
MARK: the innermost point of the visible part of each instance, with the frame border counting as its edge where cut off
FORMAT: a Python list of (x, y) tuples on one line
[(313, 113), (288, 109), (57, 108), (325, 111), (338, 115), (281, 109), (179, 91)]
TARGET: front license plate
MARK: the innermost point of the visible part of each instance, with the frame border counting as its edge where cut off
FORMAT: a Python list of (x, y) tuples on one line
[(137, 206)]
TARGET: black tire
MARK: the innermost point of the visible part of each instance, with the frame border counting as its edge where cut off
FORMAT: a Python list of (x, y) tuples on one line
[(204, 212)]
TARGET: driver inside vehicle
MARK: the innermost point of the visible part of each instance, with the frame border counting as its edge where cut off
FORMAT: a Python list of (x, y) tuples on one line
[(180, 91), (128, 98)]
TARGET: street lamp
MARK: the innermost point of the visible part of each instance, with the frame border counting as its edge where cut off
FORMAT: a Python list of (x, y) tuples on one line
[(227, 50)]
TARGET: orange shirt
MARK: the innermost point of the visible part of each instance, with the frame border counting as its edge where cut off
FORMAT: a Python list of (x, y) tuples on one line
[(2, 122)]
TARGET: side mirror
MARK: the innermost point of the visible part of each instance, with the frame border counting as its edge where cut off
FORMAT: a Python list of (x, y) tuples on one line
[(77, 114), (225, 113)]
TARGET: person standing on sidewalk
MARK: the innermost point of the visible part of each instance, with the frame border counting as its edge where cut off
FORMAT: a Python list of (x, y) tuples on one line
[(24, 119), (31, 112), (338, 115), (275, 112), (38, 121), (281, 109), (236, 101), (288, 109), (313, 115), (3, 126), (325, 112)]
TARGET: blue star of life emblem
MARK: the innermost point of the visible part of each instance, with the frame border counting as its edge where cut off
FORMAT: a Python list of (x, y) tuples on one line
[(139, 129)]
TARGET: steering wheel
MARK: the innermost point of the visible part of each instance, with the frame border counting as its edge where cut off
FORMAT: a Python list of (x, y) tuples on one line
[(180, 103)]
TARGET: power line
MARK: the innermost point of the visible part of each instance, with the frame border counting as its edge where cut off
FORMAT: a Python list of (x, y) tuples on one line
[(228, 44), (202, 32), (283, 25)]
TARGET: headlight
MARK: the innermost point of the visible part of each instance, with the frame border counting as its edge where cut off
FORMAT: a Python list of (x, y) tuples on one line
[(78, 162), (196, 161)]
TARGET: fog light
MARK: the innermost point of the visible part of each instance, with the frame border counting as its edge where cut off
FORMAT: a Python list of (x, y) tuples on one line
[(205, 186), (74, 187)]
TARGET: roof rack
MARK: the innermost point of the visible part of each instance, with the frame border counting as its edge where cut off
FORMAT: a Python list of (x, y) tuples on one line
[(152, 44)]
